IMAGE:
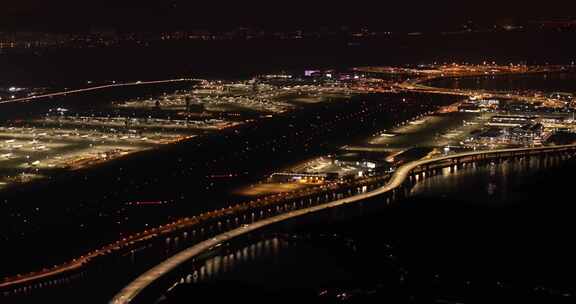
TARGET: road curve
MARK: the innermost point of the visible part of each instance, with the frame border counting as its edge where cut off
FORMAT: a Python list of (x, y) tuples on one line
[(128, 293)]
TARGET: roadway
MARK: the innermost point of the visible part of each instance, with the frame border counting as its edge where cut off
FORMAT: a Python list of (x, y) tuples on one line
[(96, 88), (128, 293), (419, 87)]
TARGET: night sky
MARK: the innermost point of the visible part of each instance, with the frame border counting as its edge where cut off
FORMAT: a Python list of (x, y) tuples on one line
[(159, 14)]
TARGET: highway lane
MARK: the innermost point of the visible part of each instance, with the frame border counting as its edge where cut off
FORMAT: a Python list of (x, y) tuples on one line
[(128, 293), (144, 236), (96, 88), (418, 85)]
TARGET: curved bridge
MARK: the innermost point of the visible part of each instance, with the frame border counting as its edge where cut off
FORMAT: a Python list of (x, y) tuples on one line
[(97, 88), (396, 186)]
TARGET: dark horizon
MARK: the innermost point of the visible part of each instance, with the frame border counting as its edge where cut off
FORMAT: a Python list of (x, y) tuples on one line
[(64, 15)]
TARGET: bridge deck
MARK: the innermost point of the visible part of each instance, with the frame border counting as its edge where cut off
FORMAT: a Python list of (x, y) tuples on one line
[(128, 293)]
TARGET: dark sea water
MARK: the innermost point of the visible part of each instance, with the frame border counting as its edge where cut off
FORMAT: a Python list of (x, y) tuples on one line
[(494, 234), (222, 59), (547, 82)]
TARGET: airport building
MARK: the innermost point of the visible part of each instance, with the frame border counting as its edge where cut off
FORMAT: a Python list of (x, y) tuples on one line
[(304, 178)]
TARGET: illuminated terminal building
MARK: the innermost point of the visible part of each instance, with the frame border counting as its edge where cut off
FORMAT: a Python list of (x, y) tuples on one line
[(304, 178), (510, 121)]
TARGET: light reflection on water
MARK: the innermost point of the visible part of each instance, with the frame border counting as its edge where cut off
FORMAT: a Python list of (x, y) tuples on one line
[(548, 82), (408, 249), (483, 184)]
